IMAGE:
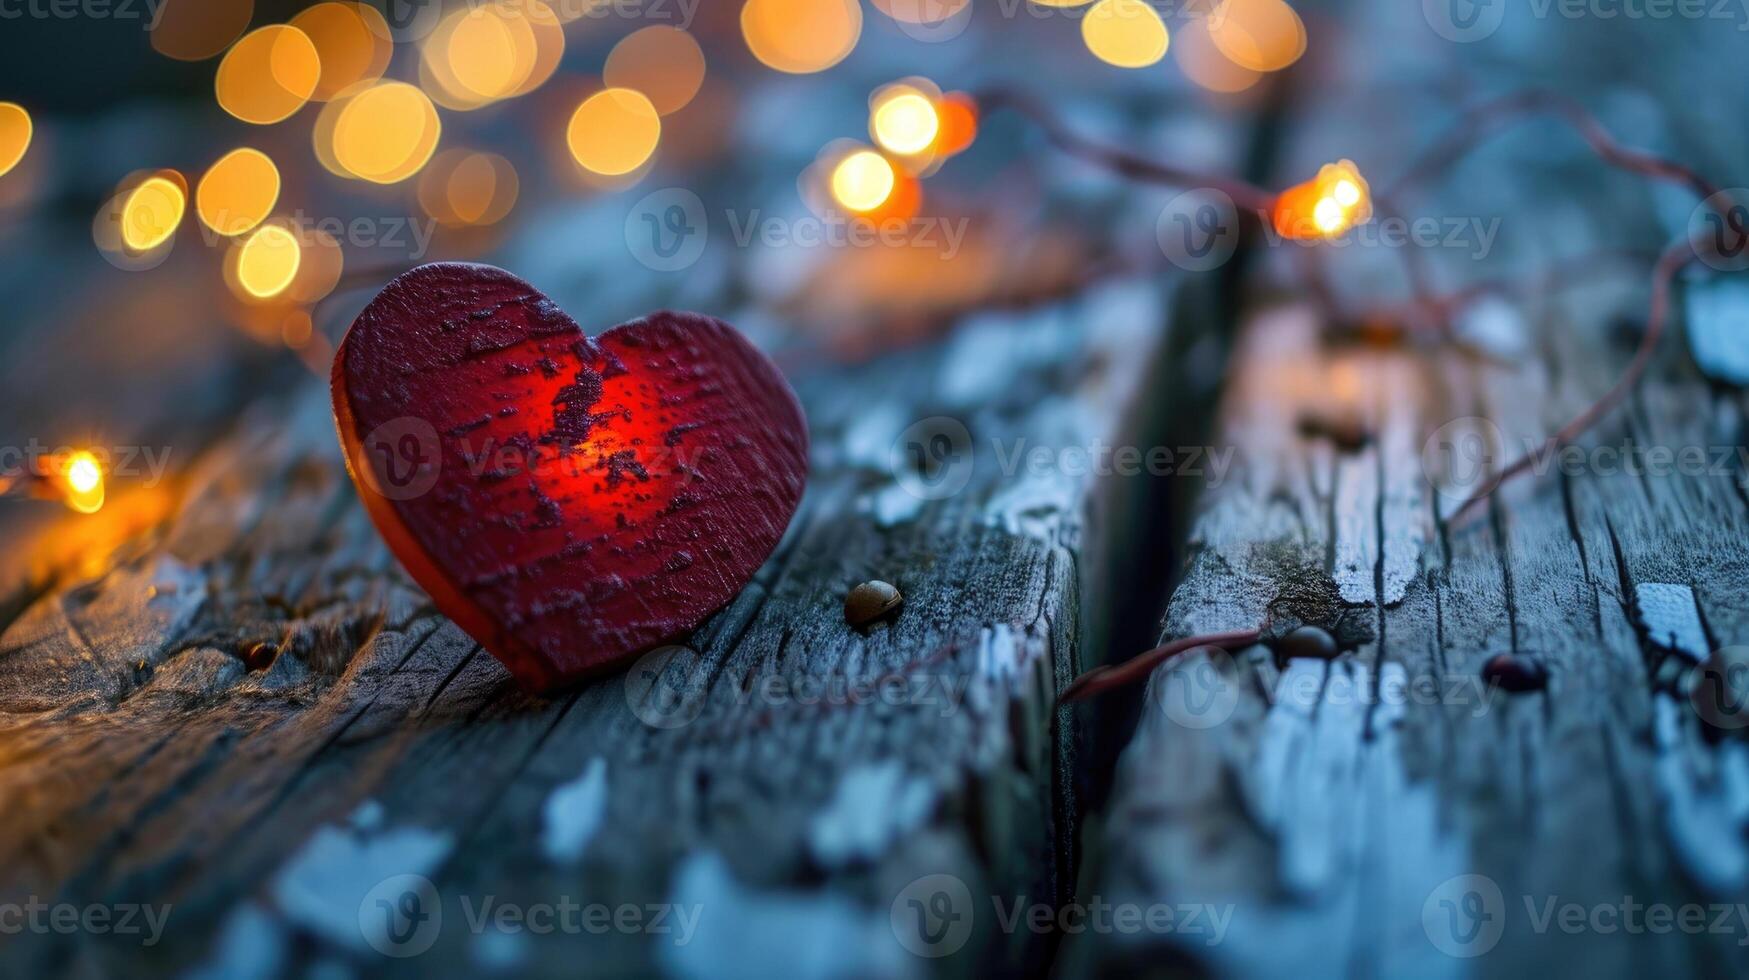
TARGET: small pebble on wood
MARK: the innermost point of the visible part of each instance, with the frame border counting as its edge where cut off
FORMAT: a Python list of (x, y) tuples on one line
[(1511, 672), (870, 601), (1307, 641)]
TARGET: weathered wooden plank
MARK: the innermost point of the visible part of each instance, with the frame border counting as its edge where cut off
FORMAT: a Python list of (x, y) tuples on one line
[(803, 772), (1387, 813)]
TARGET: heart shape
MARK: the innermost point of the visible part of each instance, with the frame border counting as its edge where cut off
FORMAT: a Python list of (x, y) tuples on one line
[(568, 501)]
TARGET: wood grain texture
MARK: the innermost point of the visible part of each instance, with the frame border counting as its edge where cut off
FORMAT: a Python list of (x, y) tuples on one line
[(1351, 817), (570, 501), (781, 782)]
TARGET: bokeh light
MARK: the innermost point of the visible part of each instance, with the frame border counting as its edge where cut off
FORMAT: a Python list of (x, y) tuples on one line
[(614, 132), (151, 213), (16, 129), (664, 63), (1259, 35), (928, 12), (1326, 206), (352, 44), (297, 328), (1204, 64), (320, 263), (959, 123), (903, 119), (478, 55), (82, 474), (487, 51), (383, 132), (549, 44), (194, 30), (267, 261), (863, 181), (268, 75), (466, 187), (801, 36), (237, 192), (1125, 33)]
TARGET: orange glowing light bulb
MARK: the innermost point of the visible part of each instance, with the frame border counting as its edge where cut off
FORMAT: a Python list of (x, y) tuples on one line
[(863, 181), (904, 120), (1326, 206), (84, 479)]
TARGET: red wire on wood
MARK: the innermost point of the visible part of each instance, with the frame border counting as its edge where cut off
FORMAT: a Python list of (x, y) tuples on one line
[(1102, 679), (1478, 124)]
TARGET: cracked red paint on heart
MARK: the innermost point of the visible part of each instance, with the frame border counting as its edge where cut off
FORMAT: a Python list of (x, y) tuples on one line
[(568, 501)]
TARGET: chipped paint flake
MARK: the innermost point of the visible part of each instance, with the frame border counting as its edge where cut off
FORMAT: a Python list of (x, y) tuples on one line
[(1718, 316), (573, 813), (1671, 618), (322, 886), (746, 933), (891, 506), (872, 807)]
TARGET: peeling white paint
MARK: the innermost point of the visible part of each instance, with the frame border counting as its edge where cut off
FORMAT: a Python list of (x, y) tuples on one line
[(1715, 327), (250, 945), (321, 887), (1000, 652), (573, 813), (872, 806), (749, 933), (868, 439), (1496, 326), (1702, 816), (1671, 618), (891, 505)]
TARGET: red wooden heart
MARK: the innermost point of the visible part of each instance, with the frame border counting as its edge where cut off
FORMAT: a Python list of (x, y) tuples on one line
[(567, 501)]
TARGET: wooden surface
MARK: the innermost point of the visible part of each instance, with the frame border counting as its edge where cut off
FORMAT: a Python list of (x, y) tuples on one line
[(223, 695), (147, 763), (1342, 813)]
